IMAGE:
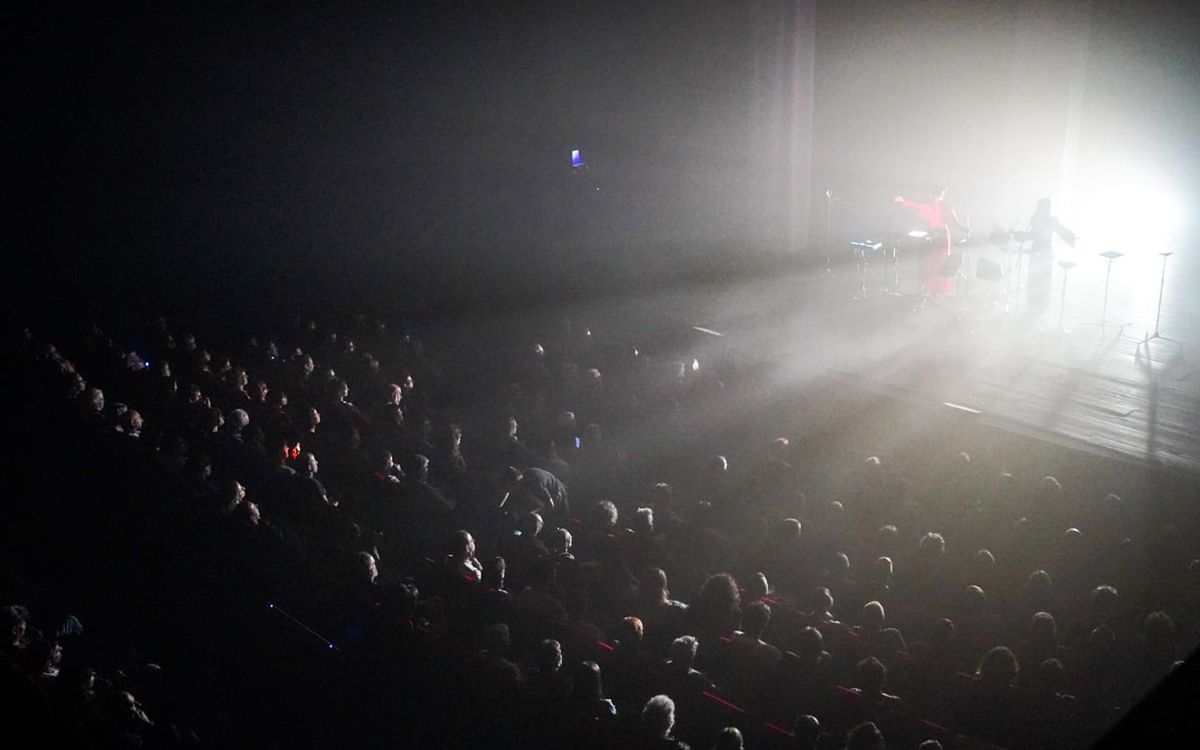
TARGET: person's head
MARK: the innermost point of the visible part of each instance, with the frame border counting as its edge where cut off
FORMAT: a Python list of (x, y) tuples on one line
[(1101, 641), (41, 655), (810, 643), (1159, 630), (652, 585), (757, 586), (585, 682), (658, 716), (630, 631), (881, 571), (807, 730), (998, 667), (872, 675), (729, 738), (865, 736), (382, 461), (974, 601), (720, 593), (839, 565), (366, 566), (462, 545), (131, 422), (932, 546), (661, 495), (790, 531), (340, 389), (938, 194), (604, 516), (1104, 601), (238, 420), (755, 617), (496, 639), (872, 616), (983, 563), (885, 538), (530, 524), (643, 521), (548, 657), (93, 399), (892, 640), (494, 571), (232, 493), (683, 650), (930, 745), (560, 541), (14, 620), (822, 600), (941, 631), (307, 463), (1038, 584), (1043, 207), (416, 466), (718, 467), (1043, 629), (1050, 677)]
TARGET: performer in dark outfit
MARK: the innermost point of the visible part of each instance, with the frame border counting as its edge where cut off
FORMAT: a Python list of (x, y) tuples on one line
[(1040, 235), (938, 216)]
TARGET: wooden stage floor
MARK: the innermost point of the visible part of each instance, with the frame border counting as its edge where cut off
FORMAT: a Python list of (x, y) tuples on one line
[(1102, 389)]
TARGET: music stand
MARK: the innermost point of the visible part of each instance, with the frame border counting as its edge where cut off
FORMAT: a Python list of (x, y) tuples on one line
[(1110, 256), (1156, 336), (1162, 282)]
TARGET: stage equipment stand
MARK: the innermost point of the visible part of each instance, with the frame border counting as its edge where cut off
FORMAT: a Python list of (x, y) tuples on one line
[(861, 257), (829, 199), (1156, 336), (1110, 256)]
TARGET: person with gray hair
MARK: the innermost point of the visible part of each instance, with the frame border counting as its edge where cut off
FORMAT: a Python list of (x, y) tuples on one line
[(657, 721)]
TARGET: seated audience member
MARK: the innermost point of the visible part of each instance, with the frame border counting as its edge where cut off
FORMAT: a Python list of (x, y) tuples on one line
[(822, 605), (496, 666), (865, 736), (547, 683), (715, 613), (677, 675), (589, 715), (461, 561), (629, 665), (991, 707), (524, 549), (871, 676), (14, 620), (664, 617), (729, 738), (751, 660), (1041, 640), (806, 731), (657, 721)]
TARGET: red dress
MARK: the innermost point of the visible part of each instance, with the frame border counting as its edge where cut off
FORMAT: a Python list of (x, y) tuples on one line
[(936, 250)]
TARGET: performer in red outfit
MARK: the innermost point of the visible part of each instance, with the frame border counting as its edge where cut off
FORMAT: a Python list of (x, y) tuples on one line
[(938, 216)]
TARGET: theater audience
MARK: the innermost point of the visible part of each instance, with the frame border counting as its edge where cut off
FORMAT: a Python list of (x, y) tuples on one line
[(234, 489)]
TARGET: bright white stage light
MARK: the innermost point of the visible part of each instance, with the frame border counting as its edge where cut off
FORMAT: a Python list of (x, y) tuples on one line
[(1128, 211)]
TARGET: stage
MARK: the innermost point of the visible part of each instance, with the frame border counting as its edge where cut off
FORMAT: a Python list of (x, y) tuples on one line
[(1103, 389)]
